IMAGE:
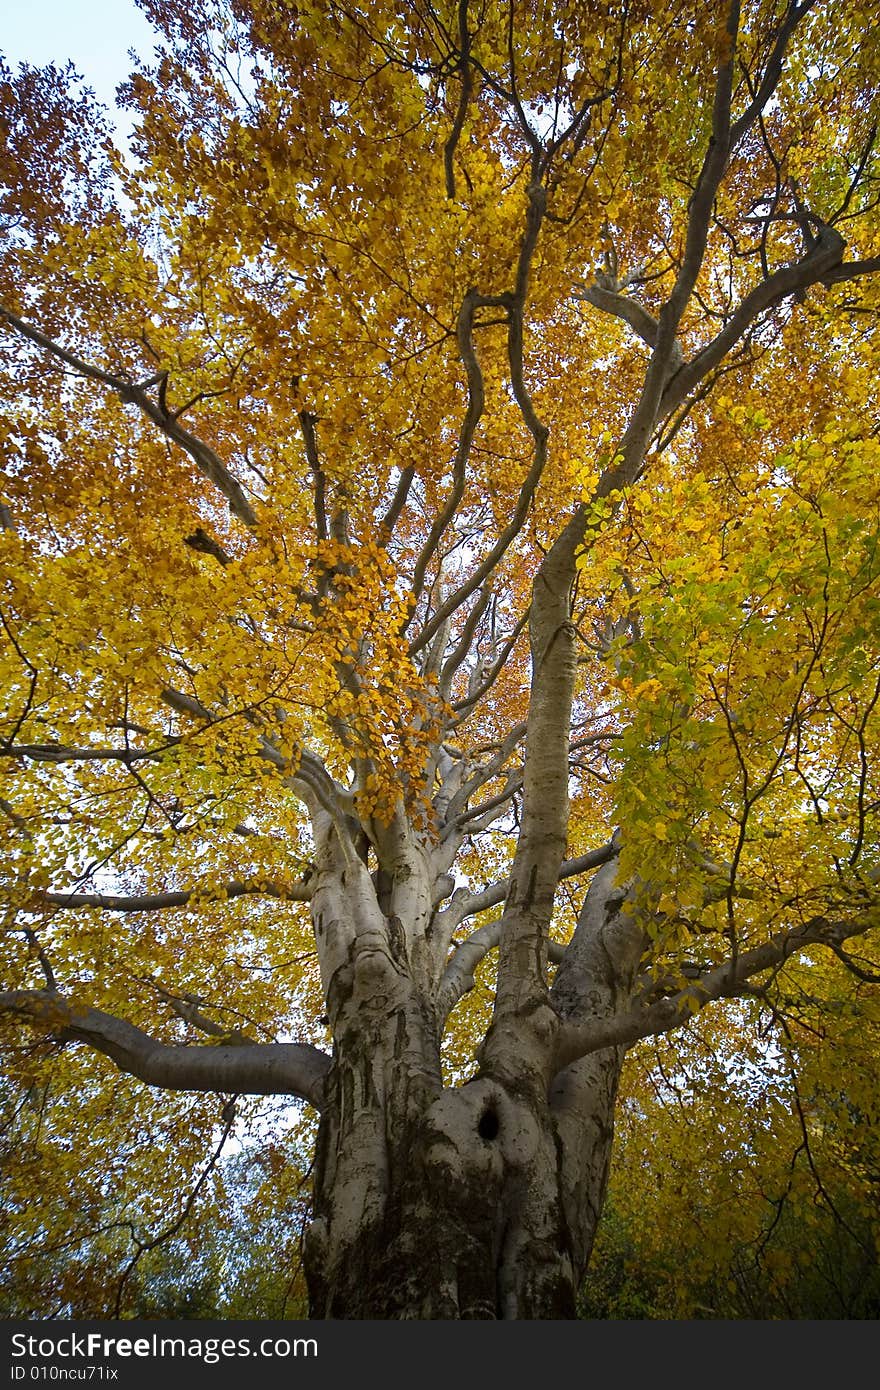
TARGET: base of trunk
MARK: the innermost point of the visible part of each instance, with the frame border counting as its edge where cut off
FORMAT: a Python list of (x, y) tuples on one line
[(472, 1222)]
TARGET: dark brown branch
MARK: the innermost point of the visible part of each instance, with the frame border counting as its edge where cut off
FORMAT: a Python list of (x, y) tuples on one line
[(157, 902), (817, 266), (644, 418), (206, 545), (204, 457), (772, 72), (398, 502), (515, 304), (464, 71), (463, 707), (65, 753), (850, 270), (473, 413), (463, 645), (310, 439)]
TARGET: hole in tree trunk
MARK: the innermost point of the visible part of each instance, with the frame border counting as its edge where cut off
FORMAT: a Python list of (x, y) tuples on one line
[(487, 1127)]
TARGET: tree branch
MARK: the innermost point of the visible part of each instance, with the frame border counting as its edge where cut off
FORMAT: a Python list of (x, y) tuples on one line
[(306, 774), (465, 904), (515, 304), (638, 432), (398, 502), (850, 270), (458, 977), (204, 457), (156, 902), (725, 981), (817, 266), (643, 324), (772, 72), (257, 1069), (476, 397), (464, 70)]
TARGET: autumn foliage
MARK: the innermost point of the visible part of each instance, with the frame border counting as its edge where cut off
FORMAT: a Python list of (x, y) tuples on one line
[(385, 323)]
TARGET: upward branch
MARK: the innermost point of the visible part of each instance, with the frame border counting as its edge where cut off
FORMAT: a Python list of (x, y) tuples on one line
[(635, 440), (514, 302), (725, 981)]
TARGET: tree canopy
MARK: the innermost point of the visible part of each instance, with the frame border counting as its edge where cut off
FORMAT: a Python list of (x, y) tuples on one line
[(440, 545)]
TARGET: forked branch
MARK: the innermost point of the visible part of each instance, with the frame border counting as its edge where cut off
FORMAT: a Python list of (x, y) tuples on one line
[(725, 981)]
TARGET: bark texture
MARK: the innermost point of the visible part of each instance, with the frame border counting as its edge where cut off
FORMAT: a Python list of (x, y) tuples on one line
[(475, 1201)]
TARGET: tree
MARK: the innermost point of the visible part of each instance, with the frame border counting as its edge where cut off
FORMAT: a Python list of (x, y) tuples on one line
[(440, 592), (761, 1204)]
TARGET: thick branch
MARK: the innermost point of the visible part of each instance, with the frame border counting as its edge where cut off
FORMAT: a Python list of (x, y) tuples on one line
[(520, 1038), (463, 707), (310, 439), (724, 981), (642, 323), (464, 69), (65, 753), (485, 813), (458, 977), (851, 270), (257, 1069), (457, 809), (818, 265), (155, 902)]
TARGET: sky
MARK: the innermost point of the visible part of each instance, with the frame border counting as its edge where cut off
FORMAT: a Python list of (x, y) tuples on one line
[(94, 34)]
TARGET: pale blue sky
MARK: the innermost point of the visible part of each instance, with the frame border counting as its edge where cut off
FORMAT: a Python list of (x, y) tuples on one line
[(94, 34)]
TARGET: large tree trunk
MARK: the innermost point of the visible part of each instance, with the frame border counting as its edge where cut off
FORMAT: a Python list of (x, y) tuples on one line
[(480, 1201), (474, 1202), (471, 1221)]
